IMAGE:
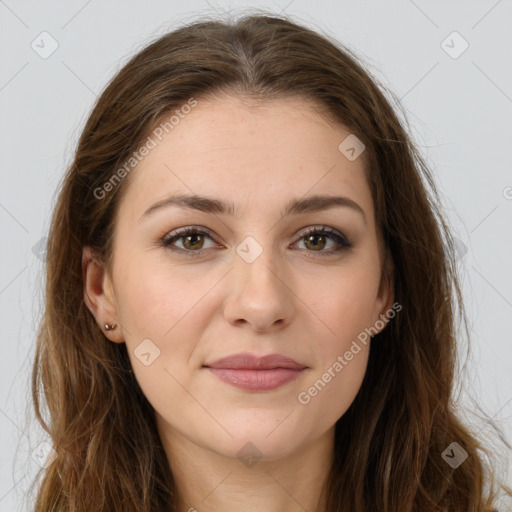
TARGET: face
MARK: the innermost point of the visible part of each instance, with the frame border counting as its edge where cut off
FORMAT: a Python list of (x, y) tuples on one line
[(257, 280)]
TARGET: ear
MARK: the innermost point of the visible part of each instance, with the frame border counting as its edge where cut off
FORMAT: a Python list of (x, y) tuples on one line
[(386, 296), (99, 296)]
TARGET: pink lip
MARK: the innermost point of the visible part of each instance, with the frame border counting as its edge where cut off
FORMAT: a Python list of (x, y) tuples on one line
[(249, 372)]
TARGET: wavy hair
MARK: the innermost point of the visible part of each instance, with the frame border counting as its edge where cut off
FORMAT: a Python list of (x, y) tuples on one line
[(110, 457)]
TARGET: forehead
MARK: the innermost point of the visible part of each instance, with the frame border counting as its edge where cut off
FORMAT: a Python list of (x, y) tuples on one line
[(248, 152)]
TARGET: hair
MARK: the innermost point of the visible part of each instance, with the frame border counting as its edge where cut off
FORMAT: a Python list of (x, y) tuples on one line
[(102, 427)]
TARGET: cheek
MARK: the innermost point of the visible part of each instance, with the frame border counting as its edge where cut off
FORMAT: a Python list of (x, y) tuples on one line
[(330, 389), (161, 308), (156, 296), (343, 301), (333, 390)]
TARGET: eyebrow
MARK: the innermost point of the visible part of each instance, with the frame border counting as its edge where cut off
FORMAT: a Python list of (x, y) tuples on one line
[(294, 207)]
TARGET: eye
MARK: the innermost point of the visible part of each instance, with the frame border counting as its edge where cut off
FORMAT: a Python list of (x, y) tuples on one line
[(315, 240), (193, 243)]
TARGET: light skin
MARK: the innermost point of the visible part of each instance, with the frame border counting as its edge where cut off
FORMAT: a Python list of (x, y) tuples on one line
[(199, 309)]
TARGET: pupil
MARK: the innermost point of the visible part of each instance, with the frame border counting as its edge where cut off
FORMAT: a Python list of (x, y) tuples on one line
[(313, 237), (191, 237)]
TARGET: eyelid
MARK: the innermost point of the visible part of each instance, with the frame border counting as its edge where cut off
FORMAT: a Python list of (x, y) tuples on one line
[(324, 229), (185, 229)]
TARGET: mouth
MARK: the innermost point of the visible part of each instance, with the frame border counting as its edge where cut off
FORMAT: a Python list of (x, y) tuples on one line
[(252, 373)]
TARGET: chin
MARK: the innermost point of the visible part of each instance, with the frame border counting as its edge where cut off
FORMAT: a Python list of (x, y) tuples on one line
[(265, 440), (250, 449)]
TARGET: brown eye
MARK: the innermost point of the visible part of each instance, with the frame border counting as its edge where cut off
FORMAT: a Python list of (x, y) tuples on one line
[(315, 241), (192, 240)]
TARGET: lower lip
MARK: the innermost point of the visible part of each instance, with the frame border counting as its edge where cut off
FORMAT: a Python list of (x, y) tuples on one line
[(256, 380)]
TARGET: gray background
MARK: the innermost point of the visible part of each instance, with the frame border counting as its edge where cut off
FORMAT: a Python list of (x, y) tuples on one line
[(459, 107)]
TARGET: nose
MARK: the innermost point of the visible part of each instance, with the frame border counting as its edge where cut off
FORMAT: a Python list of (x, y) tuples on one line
[(260, 294)]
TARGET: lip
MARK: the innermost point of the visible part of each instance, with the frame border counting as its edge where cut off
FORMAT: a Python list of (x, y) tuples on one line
[(252, 373)]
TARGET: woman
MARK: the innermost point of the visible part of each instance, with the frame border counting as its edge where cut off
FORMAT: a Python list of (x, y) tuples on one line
[(249, 292)]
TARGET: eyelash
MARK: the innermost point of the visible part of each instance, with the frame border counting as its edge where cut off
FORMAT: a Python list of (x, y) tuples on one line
[(340, 239)]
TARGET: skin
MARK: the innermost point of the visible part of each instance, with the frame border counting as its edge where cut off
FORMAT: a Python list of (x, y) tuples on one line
[(199, 309)]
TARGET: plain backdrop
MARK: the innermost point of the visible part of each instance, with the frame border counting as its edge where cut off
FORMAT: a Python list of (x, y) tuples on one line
[(448, 63)]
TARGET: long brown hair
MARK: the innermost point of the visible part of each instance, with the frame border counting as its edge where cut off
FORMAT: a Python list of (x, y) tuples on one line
[(388, 445)]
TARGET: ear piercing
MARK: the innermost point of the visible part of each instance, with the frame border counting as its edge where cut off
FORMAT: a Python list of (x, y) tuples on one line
[(110, 327)]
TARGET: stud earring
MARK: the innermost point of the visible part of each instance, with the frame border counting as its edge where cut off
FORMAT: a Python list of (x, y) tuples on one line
[(110, 327)]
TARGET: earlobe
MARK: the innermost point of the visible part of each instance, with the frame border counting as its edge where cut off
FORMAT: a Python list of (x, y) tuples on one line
[(98, 295)]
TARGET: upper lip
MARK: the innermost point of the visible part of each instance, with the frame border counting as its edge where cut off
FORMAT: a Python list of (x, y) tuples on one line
[(246, 361)]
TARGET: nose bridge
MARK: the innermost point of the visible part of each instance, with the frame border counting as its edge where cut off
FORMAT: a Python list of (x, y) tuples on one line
[(259, 294), (256, 260)]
